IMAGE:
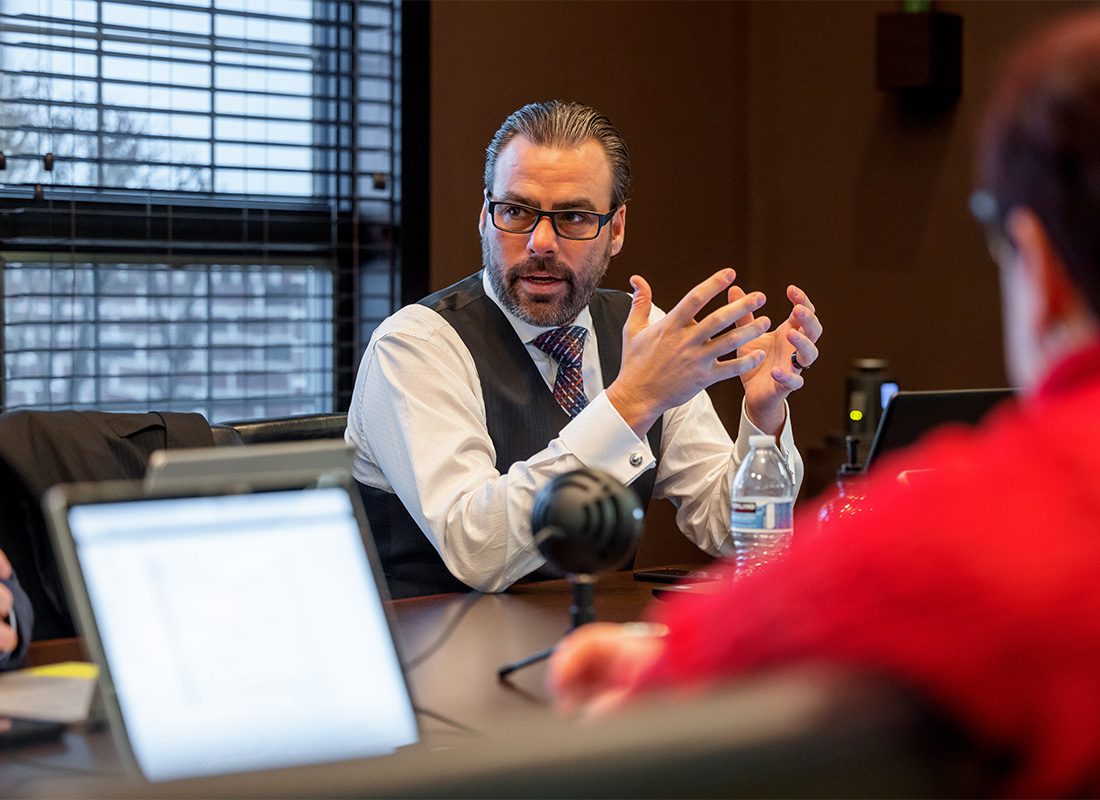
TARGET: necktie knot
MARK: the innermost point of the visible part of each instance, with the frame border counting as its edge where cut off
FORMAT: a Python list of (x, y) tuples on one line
[(566, 346)]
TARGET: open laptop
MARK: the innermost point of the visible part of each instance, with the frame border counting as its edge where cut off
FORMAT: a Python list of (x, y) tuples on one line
[(305, 462), (234, 632), (910, 415)]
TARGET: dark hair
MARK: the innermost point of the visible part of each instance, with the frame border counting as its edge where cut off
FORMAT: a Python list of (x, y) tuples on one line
[(560, 124), (1039, 144)]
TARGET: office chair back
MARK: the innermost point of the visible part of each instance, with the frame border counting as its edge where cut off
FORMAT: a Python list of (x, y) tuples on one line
[(39, 449), (280, 429)]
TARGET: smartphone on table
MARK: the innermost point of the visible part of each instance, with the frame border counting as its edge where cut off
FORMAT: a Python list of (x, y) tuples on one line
[(674, 574)]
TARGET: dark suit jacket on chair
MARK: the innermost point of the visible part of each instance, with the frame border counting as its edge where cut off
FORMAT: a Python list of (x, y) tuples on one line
[(39, 449)]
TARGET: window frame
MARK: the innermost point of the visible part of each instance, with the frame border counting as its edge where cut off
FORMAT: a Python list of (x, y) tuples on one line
[(345, 229)]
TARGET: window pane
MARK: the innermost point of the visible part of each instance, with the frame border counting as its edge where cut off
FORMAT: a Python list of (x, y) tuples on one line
[(206, 167), (193, 337), (135, 67)]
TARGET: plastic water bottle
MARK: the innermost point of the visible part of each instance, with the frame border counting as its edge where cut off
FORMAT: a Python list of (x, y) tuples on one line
[(850, 498), (761, 507)]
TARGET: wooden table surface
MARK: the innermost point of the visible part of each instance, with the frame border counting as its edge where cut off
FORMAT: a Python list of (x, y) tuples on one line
[(808, 731), (459, 680), (466, 638)]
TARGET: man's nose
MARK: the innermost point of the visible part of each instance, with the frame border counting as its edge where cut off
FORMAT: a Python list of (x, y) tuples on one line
[(543, 240)]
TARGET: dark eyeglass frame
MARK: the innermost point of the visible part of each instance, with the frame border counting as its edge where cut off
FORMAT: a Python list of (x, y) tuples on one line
[(984, 208), (987, 211), (601, 219)]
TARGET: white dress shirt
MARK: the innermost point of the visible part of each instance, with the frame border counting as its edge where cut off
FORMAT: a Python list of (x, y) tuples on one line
[(417, 421)]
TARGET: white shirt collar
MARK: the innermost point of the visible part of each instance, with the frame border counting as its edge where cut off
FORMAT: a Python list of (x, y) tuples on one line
[(525, 330)]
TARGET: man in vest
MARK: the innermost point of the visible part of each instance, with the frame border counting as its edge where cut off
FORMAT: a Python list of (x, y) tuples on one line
[(469, 402)]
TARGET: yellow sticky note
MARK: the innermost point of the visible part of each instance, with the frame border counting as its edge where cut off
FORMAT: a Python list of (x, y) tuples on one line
[(67, 669)]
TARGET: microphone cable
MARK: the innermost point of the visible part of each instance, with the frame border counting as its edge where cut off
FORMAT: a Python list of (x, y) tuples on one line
[(466, 729), (442, 637)]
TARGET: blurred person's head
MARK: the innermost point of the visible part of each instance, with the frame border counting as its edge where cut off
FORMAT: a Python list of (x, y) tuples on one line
[(1038, 172)]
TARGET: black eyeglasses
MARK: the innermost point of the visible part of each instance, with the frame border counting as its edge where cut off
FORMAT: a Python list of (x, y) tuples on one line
[(987, 211), (569, 223), (984, 208)]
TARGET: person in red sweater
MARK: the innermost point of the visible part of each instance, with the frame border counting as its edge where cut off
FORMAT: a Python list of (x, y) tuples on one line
[(978, 585)]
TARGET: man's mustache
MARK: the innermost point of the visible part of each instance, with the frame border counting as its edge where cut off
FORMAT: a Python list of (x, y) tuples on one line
[(531, 266)]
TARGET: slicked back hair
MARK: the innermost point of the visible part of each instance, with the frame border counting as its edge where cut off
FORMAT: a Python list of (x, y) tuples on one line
[(558, 124)]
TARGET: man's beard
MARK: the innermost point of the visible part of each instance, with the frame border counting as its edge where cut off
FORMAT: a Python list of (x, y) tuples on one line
[(581, 285)]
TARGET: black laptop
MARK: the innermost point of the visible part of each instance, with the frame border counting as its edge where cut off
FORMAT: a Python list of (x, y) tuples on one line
[(910, 415)]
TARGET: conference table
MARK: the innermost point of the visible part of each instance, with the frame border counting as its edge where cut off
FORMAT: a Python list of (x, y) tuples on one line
[(807, 730), (453, 645)]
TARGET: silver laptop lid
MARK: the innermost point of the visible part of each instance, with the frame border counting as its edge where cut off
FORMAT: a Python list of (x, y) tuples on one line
[(254, 465), (234, 632)]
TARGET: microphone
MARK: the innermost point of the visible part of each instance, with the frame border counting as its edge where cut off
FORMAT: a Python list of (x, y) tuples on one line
[(585, 522)]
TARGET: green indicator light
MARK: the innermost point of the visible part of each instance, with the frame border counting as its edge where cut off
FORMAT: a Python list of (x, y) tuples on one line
[(855, 415)]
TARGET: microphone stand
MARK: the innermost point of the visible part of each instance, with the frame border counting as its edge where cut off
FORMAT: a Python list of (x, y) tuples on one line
[(581, 612)]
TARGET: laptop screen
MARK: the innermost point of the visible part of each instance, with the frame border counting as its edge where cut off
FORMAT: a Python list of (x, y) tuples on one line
[(242, 632), (910, 415)]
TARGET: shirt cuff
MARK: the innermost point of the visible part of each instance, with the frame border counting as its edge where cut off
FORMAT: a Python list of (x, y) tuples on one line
[(786, 437), (601, 439)]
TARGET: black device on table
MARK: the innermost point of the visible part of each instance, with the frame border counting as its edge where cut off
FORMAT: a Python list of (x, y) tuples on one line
[(673, 575), (662, 575), (18, 731), (675, 580)]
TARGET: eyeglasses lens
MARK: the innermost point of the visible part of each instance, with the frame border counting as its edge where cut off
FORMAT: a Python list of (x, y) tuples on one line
[(568, 224)]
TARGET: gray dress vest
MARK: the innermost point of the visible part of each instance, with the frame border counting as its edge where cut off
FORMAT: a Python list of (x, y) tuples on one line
[(521, 414)]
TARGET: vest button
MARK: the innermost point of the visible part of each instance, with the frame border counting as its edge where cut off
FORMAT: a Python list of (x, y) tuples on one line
[(635, 459)]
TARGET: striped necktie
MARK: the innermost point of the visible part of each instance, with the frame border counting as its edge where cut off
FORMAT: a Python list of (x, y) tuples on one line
[(566, 346)]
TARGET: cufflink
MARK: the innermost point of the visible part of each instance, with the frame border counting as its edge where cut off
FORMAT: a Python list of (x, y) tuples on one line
[(636, 459)]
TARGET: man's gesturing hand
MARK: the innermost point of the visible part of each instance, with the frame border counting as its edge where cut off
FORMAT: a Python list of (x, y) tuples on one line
[(668, 362), (774, 376)]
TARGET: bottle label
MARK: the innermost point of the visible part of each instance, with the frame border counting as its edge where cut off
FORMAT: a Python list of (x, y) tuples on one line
[(761, 514)]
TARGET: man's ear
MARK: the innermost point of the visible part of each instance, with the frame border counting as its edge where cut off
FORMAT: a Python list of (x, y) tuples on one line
[(481, 220), (618, 229), (1057, 298)]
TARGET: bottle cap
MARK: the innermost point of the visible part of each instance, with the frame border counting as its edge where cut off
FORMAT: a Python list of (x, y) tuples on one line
[(761, 440)]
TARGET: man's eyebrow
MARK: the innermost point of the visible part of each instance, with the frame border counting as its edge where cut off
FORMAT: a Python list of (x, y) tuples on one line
[(513, 197), (580, 203)]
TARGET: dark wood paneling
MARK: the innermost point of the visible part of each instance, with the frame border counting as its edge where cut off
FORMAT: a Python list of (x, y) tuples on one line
[(758, 141)]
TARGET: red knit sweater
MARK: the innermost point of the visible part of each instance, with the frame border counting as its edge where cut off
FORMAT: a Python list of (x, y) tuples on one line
[(980, 585)]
